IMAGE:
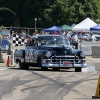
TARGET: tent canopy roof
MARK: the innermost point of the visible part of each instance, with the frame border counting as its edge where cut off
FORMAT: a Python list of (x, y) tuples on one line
[(53, 29), (66, 27), (95, 28), (73, 25), (85, 25)]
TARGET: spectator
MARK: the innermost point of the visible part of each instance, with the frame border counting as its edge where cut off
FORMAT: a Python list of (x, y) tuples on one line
[(13, 32), (74, 37), (45, 33), (83, 38), (63, 32), (22, 34), (10, 32), (36, 33), (16, 33), (91, 37), (79, 34), (58, 33), (27, 35), (1, 37), (67, 35)]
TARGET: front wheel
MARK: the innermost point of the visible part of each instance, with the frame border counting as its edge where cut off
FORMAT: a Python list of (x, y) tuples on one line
[(40, 64), (78, 69), (22, 65)]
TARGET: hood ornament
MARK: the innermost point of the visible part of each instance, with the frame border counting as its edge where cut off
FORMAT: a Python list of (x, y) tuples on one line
[(65, 52)]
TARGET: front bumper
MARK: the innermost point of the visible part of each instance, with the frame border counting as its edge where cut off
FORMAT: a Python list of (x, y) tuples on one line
[(61, 65), (65, 66)]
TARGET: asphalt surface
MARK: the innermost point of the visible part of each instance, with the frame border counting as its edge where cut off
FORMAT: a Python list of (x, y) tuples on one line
[(34, 84)]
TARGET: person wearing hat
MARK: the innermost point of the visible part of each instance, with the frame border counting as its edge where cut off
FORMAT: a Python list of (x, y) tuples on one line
[(91, 37)]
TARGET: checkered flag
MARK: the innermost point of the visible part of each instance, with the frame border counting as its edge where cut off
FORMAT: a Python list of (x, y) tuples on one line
[(18, 41)]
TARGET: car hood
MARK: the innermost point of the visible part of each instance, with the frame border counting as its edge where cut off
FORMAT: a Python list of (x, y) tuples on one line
[(59, 49)]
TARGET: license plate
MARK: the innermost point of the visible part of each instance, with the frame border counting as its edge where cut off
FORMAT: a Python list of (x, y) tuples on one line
[(66, 62)]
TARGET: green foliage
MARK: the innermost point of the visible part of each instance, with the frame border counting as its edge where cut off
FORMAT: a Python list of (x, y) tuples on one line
[(2, 28), (50, 12)]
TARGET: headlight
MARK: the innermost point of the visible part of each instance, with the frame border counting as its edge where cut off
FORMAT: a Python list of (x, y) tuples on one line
[(47, 54), (82, 54)]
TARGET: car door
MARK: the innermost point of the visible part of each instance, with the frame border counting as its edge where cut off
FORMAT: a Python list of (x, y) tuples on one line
[(29, 51)]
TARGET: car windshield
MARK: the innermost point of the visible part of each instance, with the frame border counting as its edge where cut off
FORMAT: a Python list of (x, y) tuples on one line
[(52, 41)]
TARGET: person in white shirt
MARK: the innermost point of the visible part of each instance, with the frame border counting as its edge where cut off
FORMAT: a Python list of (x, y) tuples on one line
[(67, 35), (74, 37), (91, 37), (62, 32), (82, 37)]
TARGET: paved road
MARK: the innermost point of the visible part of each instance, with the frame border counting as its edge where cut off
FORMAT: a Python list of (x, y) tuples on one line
[(34, 84)]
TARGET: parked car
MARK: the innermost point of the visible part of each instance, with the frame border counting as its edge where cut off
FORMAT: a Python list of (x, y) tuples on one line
[(97, 37), (50, 51)]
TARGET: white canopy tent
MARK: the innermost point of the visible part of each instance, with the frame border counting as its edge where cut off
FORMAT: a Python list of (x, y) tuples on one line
[(84, 25)]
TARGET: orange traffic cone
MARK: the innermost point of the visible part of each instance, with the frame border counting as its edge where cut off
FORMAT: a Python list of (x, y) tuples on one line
[(8, 61)]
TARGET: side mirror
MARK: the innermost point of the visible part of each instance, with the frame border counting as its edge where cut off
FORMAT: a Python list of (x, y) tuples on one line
[(73, 46), (15, 50)]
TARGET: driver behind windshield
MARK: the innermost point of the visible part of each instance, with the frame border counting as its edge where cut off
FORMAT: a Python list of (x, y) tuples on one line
[(53, 41), (30, 42)]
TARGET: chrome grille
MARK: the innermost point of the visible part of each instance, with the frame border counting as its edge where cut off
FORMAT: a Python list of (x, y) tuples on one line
[(57, 59)]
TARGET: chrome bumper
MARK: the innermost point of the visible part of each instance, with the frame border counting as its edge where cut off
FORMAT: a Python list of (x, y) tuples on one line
[(65, 66), (59, 62)]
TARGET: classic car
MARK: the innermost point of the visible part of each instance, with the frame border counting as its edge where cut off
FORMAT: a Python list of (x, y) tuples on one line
[(50, 51)]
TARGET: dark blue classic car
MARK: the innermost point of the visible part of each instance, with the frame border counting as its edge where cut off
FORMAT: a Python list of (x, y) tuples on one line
[(50, 51)]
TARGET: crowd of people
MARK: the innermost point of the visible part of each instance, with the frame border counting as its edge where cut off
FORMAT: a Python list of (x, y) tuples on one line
[(70, 35), (80, 36), (8, 34)]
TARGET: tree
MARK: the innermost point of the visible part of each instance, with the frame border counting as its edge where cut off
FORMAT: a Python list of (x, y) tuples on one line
[(50, 12)]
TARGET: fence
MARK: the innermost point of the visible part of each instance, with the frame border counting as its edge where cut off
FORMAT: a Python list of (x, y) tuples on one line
[(87, 47)]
